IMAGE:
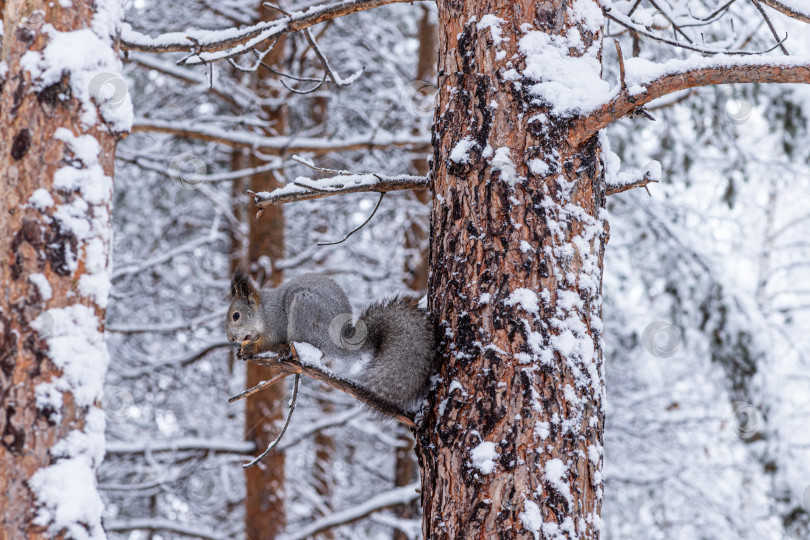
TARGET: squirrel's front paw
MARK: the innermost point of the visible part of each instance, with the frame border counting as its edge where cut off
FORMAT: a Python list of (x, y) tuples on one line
[(248, 349)]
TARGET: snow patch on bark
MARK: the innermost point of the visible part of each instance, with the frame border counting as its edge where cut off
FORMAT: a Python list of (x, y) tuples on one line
[(555, 473), (526, 299), (84, 55), (461, 151), (494, 24), (484, 456), (566, 84), (66, 490), (42, 285)]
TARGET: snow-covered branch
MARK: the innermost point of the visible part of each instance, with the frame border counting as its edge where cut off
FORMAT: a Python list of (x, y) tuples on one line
[(290, 363), (630, 179), (168, 525), (306, 188), (278, 145), (394, 497), (181, 445), (211, 45), (647, 81), (790, 8)]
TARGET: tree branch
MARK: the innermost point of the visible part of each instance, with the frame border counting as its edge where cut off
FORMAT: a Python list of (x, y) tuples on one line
[(158, 524), (633, 179), (289, 363), (790, 11), (180, 445), (280, 145), (303, 189), (656, 80), (394, 497), (212, 45)]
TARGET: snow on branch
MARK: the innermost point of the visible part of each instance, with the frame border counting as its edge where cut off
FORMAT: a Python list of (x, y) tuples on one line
[(394, 497), (306, 188), (790, 8), (211, 45), (632, 178), (279, 145), (289, 363), (181, 445), (167, 525), (646, 81)]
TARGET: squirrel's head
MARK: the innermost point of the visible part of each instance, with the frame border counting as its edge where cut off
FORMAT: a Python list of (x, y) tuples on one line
[(244, 321)]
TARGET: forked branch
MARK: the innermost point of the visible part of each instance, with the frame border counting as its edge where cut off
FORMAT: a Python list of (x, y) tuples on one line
[(678, 75), (212, 45)]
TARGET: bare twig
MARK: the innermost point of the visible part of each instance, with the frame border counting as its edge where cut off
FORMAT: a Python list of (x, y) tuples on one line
[(622, 82), (675, 26), (641, 182), (770, 25), (261, 386), (713, 14), (308, 163), (325, 63), (627, 23), (286, 423), (335, 242)]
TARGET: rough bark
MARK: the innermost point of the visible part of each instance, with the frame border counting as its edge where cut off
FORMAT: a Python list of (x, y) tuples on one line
[(516, 272), (54, 275)]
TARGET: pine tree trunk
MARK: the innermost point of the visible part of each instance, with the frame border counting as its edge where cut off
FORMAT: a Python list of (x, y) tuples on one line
[(512, 447), (265, 515), (57, 146)]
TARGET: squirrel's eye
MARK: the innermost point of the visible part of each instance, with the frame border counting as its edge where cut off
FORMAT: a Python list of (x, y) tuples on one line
[(236, 316)]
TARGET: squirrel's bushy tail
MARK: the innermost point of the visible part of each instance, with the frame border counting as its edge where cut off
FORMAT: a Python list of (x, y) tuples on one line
[(401, 345)]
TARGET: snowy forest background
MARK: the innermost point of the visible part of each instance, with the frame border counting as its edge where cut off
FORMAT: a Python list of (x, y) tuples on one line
[(707, 283)]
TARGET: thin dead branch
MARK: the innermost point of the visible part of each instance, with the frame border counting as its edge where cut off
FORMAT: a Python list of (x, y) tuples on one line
[(302, 189), (644, 181), (376, 207)]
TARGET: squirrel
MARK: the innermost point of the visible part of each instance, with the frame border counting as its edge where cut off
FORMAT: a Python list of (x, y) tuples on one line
[(394, 338)]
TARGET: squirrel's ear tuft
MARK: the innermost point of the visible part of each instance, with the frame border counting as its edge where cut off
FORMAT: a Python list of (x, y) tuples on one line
[(242, 287)]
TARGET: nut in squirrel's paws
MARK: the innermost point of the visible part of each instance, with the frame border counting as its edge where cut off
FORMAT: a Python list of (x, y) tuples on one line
[(248, 349)]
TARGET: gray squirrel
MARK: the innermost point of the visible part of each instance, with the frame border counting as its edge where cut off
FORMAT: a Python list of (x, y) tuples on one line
[(394, 338)]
